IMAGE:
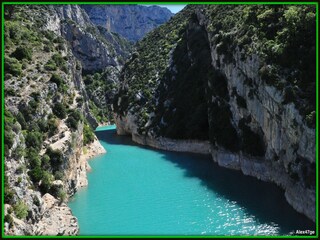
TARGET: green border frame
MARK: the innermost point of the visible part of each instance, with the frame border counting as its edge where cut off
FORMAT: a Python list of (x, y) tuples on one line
[(153, 3)]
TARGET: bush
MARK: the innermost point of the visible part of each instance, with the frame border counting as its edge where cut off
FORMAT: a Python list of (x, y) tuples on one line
[(56, 158), (21, 120), (34, 159), (8, 195), (34, 139), (8, 138), (22, 52), (58, 59), (46, 182), (60, 110), (58, 175), (21, 210), (52, 126), (72, 123), (62, 195), (18, 152), (56, 79), (36, 174), (45, 162), (12, 65), (42, 125), (47, 48), (88, 134), (74, 117), (50, 66)]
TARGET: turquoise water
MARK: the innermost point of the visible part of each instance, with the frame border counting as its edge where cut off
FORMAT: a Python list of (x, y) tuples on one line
[(135, 190)]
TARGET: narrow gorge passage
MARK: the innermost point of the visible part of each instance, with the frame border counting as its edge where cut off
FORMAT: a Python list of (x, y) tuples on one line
[(234, 83), (135, 190)]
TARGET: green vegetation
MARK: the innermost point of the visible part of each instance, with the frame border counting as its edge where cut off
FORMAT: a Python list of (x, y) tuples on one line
[(59, 61), (9, 121), (12, 66), (56, 158), (52, 126), (88, 134), (8, 192), (57, 79), (100, 88), (34, 140), (50, 65), (60, 110), (73, 119), (284, 38), (33, 55), (22, 52), (21, 210)]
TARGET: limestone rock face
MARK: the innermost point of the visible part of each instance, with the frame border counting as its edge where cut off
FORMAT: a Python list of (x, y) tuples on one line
[(39, 213), (57, 219), (130, 21), (207, 87), (96, 50)]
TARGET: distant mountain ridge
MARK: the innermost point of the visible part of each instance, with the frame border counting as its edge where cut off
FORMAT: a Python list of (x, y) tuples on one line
[(130, 21)]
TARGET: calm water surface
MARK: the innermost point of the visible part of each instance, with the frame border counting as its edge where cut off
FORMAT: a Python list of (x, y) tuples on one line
[(135, 190)]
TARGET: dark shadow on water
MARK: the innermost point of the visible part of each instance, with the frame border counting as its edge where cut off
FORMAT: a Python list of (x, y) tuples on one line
[(263, 200)]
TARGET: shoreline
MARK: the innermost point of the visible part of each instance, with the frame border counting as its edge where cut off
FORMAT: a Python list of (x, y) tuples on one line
[(90, 151), (267, 171)]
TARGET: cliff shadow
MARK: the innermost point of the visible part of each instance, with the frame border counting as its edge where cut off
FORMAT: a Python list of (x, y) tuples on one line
[(265, 201), (110, 136)]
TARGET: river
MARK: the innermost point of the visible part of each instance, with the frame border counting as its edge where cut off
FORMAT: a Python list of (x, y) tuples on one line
[(137, 190)]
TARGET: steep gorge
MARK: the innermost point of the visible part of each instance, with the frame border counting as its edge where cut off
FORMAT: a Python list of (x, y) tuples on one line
[(231, 76), (204, 82), (61, 73)]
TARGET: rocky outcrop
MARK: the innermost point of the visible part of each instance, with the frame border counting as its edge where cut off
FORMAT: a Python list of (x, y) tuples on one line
[(45, 121), (130, 21), (57, 219), (207, 87), (125, 126), (96, 50)]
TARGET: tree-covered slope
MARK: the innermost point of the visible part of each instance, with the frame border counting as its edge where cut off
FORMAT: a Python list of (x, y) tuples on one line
[(50, 110)]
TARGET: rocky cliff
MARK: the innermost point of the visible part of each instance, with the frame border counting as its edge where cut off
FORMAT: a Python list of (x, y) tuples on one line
[(130, 21), (47, 116), (241, 77)]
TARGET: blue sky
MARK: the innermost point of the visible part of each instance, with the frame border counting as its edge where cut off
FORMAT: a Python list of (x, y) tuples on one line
[(172, 7)]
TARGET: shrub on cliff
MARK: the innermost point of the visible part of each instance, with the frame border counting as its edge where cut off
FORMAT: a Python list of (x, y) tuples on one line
[(59, 61), (34, 139), (20, 210), (8, 195), (73, 119), (12, 65), (46, 182), (56, 79), (56, 158), (50, 65), (22, 52), (88, 134), (60, 110), (52, 126)]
